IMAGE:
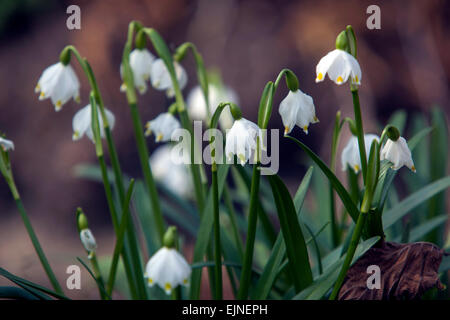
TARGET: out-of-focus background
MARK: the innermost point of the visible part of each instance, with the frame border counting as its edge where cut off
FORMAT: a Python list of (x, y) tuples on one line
[(405, 65)]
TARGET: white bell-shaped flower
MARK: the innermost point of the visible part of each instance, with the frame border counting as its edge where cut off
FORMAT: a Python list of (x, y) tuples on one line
[(196, 104), (141, 61), (60, 83), (350, 155), (6, 144), (162, 126), (340, 65), (297, 109), (168, 269), (82, 123), (88, 240), (242, 139), (398, 153), (169, 169), (160, 77)]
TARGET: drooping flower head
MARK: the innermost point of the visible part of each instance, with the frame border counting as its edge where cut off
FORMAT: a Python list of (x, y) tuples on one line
[(297, 109), (171, 172), (242, 140), (398, 153), (59, 83), (88, 240), (162, 126), (82, 123), (196, 104), (350, 156), (167, 267), (6, 144), (160, 77), (141, 61), (340, 66)]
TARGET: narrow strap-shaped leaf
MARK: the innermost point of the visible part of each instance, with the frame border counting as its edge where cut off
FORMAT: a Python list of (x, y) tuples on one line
[(15, 279), (401, 209), (293, 237), (417, 233), (337, 185), (16, 293), (204, 233), (99, 284)]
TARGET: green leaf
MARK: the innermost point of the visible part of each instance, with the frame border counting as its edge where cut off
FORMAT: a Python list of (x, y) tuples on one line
[(324, 282), (99, 284), (398, 119), (426, 227), (293, 237), (204, 233), (343, 194), (16, 293), (396, 213), (28, 284), (269, 274), (265, 105)]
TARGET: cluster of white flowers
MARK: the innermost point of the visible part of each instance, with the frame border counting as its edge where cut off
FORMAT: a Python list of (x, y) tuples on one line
[(146, 67)]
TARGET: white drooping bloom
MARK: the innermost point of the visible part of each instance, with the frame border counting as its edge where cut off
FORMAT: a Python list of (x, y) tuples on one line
[(398, 153), (297, 109), (160, 77), (196, 104), (350, 155), (82, 123), (88, 240), (162, 126), (171, 171), (60, 83), (141, 61), (340, 65), (241, 140), (6, 144), (168, 269)]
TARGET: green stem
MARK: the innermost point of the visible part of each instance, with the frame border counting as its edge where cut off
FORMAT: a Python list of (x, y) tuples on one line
[(353, 243), (251, 233), (233, 220), (98, 275), (34, 240), (360, 132), (120, 240), (132, 249), (217, 245)]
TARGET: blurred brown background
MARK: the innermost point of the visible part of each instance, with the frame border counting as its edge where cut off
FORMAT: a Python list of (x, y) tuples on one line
[(405, 65)]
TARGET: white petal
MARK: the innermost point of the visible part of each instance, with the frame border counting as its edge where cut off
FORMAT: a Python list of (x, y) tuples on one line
[(6, 144), (88, 240)]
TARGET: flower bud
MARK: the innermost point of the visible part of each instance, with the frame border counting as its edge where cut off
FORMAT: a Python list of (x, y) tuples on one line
[(141, 40), (393, 133), (342, 41), (65, 56), (235, 111), (170, 237), (291, 81), (181, 51), (82, 222)]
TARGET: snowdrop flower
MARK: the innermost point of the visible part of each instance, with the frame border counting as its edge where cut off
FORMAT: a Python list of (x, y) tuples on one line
[(350, 155), (60, 83), (170, 171), (6, 144), (163, 126), (196, 105), (82, 123), (340, 65), (241, 140), (398, 153), (160, 77), (297, 109), (141, 61), (88, 240), (167, 268)]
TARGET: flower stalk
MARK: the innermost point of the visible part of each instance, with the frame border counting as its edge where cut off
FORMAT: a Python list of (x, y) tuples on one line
[(5, 168)]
